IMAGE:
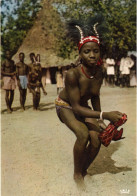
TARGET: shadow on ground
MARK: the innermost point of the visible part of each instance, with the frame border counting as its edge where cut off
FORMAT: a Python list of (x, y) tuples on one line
[(104, 163), (42, 107)]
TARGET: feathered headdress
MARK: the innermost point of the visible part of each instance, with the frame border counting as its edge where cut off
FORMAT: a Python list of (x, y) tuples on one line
[(88, 30), (84, 40)]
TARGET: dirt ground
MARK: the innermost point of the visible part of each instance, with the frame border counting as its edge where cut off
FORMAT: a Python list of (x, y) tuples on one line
[(36, 156)]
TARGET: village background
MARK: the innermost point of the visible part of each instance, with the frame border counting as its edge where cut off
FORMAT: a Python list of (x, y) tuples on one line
[(37, 149)]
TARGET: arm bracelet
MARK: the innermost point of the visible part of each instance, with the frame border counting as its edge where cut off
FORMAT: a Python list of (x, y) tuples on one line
[(101, 118)]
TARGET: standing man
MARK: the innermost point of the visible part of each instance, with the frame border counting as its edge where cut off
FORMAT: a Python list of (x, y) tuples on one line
[(22, 71), (125, 66), (8, 71), (110, 71)]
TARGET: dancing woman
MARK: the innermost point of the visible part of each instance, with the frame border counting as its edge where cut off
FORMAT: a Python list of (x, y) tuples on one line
[(83, 83)]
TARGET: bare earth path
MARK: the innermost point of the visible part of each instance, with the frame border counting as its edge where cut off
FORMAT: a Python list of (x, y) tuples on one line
[(37, 150)]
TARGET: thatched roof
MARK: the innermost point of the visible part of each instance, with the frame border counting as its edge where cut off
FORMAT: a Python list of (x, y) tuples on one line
[(41, 38)]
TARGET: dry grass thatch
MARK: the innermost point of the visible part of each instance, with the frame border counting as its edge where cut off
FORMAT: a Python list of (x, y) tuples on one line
[(41, 38)]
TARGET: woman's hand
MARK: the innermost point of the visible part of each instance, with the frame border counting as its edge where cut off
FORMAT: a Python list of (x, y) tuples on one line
[(102, 124), (113, 116)]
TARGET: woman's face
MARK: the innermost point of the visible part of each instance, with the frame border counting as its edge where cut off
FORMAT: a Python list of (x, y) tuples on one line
[(90, 54)]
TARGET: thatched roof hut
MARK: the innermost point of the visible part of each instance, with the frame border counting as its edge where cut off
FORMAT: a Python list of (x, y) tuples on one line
[(41, 38)]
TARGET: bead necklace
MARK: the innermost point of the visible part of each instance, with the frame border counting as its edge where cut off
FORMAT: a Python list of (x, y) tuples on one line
[(89, 77)]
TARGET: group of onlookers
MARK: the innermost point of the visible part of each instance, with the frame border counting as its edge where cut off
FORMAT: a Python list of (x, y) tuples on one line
[(117, 72), (120, 72), (24, 76)]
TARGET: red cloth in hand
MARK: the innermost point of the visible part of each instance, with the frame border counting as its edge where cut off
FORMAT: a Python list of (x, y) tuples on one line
[(111, 132)]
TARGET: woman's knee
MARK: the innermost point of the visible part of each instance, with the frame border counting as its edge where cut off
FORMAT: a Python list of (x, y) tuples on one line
[(92, 124), (78, 128), (82, 135), (95, 142)]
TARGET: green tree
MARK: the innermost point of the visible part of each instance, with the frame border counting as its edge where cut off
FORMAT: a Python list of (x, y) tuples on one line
[(119, 17), (16, 19)]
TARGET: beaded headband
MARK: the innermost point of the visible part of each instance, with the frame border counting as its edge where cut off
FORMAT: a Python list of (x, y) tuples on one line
[(84, 40)]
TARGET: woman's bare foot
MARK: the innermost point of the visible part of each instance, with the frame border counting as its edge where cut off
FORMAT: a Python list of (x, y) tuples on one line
[(79, 181), (78, 177), (84, 173)]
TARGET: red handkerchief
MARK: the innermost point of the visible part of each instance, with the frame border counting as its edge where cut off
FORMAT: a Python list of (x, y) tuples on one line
[(111, 132)]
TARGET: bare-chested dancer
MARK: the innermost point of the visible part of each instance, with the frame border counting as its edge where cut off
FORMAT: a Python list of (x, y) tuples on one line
[(22, 72), (9, 78), (83, 83)]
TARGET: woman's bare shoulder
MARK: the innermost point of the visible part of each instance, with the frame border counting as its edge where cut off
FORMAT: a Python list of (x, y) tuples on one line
[(72, 75), (73, 72)]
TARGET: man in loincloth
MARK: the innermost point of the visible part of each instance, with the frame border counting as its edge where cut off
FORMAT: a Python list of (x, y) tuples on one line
[(22, 72), (8, 71)]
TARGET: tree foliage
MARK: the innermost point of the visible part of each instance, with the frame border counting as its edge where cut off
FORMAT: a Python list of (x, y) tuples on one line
[(17, 17), (119, 16)]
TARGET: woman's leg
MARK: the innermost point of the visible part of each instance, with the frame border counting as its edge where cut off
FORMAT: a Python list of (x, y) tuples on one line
[(91, 151), (94, 144), (82, 134)]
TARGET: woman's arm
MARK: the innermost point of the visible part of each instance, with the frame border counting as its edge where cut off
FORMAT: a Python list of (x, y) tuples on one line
[(73, 92), (95, 101)]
